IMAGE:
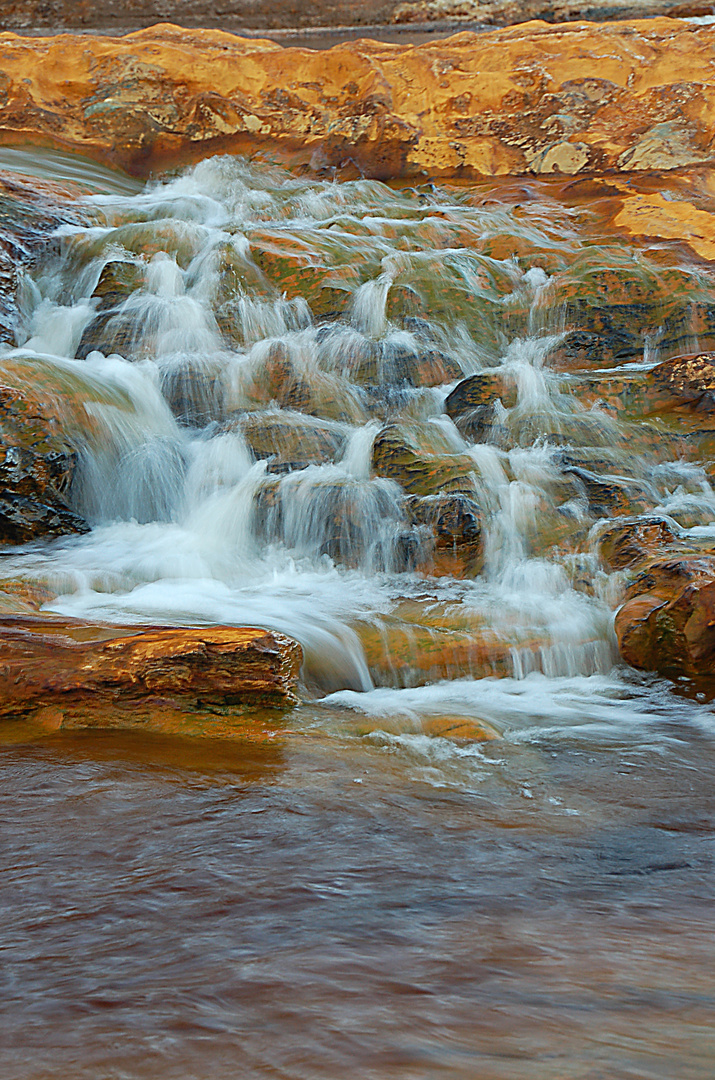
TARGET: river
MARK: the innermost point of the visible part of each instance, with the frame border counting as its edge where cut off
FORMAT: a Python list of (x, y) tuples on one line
[(480, 846)]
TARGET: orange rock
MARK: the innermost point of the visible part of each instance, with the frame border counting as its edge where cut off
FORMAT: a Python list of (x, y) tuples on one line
[(668, 621), (571, 98), (652, 215), (109, 673)]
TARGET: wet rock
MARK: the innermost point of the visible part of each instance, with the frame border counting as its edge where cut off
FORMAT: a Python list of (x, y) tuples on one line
[(668, 621), (403, 366), (293, 270), (609, 496), (455, 522), (117, 281), (37, 465), (291, 440), (318, 512), (625, 544), (476, 405), (30, 212), (653, 215), (107, 674), (478, 390), (541, 99), (683, 381), (397, 456), (402, 654)]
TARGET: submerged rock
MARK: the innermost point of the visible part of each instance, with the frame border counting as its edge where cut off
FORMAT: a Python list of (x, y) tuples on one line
[(106, 675)]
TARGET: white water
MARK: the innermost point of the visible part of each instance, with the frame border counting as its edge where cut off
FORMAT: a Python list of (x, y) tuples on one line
[(173, 490)]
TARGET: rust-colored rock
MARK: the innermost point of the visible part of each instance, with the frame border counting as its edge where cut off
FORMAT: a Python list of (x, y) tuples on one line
[(289, 19), (290, 440), (106, 672), (683, 381), (629, 543), (572, 98), (455, 522), (670, 627), (398, 455)]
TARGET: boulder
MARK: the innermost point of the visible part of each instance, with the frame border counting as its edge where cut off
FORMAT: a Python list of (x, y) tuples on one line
[(398, 455), (683, 381), (30, 211), (109, 675), (630, 542), (667, 623), (37, 465), (291, 440), (455, 522)]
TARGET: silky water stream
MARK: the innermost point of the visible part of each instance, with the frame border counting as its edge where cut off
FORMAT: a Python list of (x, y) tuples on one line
[(355, 893)]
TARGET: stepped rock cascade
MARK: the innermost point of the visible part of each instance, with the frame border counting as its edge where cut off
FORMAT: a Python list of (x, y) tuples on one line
[(357, 602), (575, 98), (361, 417)]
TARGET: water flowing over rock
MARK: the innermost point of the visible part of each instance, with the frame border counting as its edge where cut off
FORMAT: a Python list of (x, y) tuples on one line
[(546, 100)]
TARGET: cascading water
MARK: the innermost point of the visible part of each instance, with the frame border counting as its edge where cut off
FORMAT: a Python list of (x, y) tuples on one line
[(226, 455), (450, 859)]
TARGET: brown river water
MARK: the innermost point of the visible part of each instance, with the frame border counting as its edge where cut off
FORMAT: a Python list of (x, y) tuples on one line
[(342, 891)]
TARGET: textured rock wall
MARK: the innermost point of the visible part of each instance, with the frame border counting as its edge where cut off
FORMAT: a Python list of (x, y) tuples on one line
[(572, 98)]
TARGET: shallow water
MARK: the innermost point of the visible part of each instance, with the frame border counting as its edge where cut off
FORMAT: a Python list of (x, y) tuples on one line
[(343, 889)]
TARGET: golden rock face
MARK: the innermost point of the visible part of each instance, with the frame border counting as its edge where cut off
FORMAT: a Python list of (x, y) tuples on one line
[(101, 675), (571, 98)]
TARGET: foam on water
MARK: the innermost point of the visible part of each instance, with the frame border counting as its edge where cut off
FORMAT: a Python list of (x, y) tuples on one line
[(190, 524)]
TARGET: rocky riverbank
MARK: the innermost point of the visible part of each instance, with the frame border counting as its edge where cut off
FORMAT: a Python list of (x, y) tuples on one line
[(531, 99)]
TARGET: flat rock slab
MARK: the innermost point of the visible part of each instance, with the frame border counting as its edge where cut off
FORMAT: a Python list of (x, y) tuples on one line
[(81, 668), (565, 99)]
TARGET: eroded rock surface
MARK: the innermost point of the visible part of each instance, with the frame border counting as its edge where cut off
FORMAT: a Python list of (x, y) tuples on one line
[(101, 675), (573, 98)]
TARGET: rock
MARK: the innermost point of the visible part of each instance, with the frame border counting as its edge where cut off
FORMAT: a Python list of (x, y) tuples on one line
[(683, 381), (668, 621), (30, 211), (107, 673), (398, 456), (291, 440), (474, 406), (455, 521), (672, 219), (117, 281), (284, 19), (628, 543), (37, 465), (400, 366), (572, 99), (610, 496), (407, 654)]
